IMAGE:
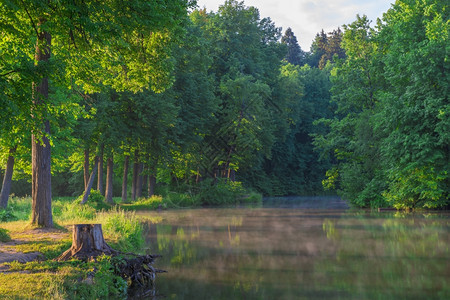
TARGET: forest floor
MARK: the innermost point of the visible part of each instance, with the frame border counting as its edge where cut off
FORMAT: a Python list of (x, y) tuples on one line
[(23, 243)]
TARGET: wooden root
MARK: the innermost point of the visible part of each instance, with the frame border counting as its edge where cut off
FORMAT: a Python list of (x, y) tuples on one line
[(139, 270)]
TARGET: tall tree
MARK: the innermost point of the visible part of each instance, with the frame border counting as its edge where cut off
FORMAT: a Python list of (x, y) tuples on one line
[(415, 115), (351, 140), (246, 62), (82, 37), (295, 54)]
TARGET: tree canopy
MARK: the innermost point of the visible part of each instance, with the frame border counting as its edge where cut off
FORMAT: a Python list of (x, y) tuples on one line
[(165, 95)]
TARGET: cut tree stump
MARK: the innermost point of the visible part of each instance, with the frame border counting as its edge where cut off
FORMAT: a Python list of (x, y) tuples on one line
[(87, 243)]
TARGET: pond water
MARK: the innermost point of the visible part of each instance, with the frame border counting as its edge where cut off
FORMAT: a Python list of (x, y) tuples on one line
[(288, 249)]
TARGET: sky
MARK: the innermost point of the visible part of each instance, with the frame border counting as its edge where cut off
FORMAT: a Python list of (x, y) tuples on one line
[(308, 17)]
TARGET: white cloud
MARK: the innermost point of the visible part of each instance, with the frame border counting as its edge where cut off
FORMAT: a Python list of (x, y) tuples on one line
[(308, 17)]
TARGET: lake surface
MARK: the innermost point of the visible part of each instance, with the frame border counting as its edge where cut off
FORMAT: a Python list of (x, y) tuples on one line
[(287, 249)]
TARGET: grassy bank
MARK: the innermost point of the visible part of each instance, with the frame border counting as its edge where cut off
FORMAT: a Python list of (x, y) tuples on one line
[(122, 229), (66, 280)]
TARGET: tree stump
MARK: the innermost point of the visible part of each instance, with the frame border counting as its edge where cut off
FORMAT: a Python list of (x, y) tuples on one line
[(87, 243)]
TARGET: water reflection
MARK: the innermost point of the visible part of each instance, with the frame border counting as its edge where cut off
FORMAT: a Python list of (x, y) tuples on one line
[(289, 253)]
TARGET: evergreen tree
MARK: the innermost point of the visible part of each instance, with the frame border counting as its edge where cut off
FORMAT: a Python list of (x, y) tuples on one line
[(295, 54)]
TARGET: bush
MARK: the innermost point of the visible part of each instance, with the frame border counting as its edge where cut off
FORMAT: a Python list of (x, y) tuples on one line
[(20, 207), (4, 236), (95, 200), (181, 200), (7, 215), (221, 193), (252, 197), (153, 202), (105, 283)]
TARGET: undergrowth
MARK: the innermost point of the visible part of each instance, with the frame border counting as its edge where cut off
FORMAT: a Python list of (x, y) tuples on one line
[(122, 228), (4, 235)]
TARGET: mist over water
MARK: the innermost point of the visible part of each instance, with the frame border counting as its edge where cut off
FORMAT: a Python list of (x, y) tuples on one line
[(295, 248)]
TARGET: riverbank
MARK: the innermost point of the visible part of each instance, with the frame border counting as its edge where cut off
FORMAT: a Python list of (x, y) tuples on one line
[(27, 266)]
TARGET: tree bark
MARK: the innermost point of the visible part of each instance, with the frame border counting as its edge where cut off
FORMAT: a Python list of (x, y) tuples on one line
[(151, 185), (7, 179), (135, 175), (109, 180), (87, 243), (87, 190), (100, 171), (125, 179), (145, 181), (140, 181), (40, 145), (86, 167)]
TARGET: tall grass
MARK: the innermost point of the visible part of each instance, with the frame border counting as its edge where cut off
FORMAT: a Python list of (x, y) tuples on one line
[(122, 228), (19, 207)]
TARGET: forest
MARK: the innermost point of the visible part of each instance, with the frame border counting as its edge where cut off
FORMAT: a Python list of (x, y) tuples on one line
[(143, 95)]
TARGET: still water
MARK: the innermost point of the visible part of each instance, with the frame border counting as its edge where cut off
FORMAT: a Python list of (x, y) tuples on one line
[(291, 250)]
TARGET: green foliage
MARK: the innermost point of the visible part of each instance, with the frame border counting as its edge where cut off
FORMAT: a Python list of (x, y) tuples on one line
[(295, 54), (7, 215), (73, 279), (95, 200), (105, 282), (180, 200), (20, 207), (416, 154), (4, 236), (154, 202), (73, 210), (123, 228), (221, 192), (392, 77), (252, 197)]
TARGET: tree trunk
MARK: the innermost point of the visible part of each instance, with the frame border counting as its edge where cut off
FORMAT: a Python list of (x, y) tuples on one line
[(6, 186), (145, 181), (109, 180), (86, 167), (87, 243), (100, 171), (151, 185), (135, 175), (125, 179), (41, 181), (140, 181), (87, 190)]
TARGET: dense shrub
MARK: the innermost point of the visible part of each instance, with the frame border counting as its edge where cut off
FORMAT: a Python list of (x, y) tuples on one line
[(221, 192), (7, 215), (4, 236), (95, 200)]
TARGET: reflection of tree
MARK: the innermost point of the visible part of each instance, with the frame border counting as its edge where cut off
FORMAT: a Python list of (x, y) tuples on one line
[(389, 256)]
